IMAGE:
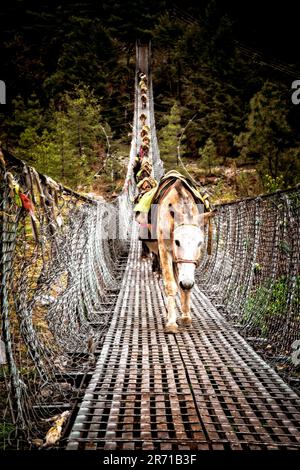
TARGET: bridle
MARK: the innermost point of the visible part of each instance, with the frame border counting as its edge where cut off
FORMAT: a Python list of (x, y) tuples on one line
[(182, 260)]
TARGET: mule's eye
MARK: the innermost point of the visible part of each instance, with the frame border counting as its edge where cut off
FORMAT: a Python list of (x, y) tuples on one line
[(199, 243), (177, 242)]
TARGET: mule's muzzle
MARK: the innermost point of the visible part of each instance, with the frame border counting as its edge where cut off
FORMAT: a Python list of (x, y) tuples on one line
[(186, 285)]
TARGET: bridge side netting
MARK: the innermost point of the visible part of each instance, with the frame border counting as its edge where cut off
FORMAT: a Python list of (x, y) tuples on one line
[(253, 275), (60, 269)]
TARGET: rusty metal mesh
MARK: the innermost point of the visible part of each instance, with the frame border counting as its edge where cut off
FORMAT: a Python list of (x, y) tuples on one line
[(253, 275), (60, 272)]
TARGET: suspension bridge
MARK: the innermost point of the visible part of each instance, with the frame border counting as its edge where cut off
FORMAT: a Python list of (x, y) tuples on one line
[(83, 321)]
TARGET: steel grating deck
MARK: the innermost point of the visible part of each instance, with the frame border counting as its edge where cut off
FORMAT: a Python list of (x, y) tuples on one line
[(204, 388)]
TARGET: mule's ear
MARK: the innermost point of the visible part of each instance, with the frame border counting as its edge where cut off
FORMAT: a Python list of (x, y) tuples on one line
[(141, 217), (208, 215)]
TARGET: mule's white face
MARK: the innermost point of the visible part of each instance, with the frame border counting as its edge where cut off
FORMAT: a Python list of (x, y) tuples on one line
[(188, 243)]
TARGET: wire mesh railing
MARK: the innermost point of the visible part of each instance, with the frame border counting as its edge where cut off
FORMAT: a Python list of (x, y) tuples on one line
[(60, 268), (253, 275), (62, 258)]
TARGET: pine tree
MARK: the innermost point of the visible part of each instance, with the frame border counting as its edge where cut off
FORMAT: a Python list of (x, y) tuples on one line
[(208, 154), (81, 136), (169, 137), (69, 142), (267, 134), (25, 126)]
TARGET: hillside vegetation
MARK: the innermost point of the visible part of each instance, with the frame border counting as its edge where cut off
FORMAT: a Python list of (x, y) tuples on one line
[(69, 70)]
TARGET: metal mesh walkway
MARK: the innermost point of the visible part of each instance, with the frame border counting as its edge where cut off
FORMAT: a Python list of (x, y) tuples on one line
[(204, 388)]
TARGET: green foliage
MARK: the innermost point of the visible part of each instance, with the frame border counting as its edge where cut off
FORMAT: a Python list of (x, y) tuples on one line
[(5, 430), (249, 183), (269, 301), (196, 63), (268, 137), (129, 21), (80, 135), (169, 137), (208, 154), (189, 66), (26, 124), (223, 192), (70, 145), (86, 57), (273, 184)]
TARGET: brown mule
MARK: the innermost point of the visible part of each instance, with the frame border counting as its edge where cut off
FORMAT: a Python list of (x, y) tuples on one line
[(180, 242)]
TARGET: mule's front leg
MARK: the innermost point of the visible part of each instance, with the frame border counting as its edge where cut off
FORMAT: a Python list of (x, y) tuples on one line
[(171, 326), (185, 299), (171, 291)]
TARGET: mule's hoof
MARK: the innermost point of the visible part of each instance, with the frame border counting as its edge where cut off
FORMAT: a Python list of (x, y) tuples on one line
[(172, 328), (186, 321)]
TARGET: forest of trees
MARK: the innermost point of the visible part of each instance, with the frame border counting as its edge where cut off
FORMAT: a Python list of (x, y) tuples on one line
[(69, 71)]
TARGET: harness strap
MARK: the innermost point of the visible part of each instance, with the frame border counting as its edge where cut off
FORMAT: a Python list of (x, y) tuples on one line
[(186, 225), (182, 260)]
